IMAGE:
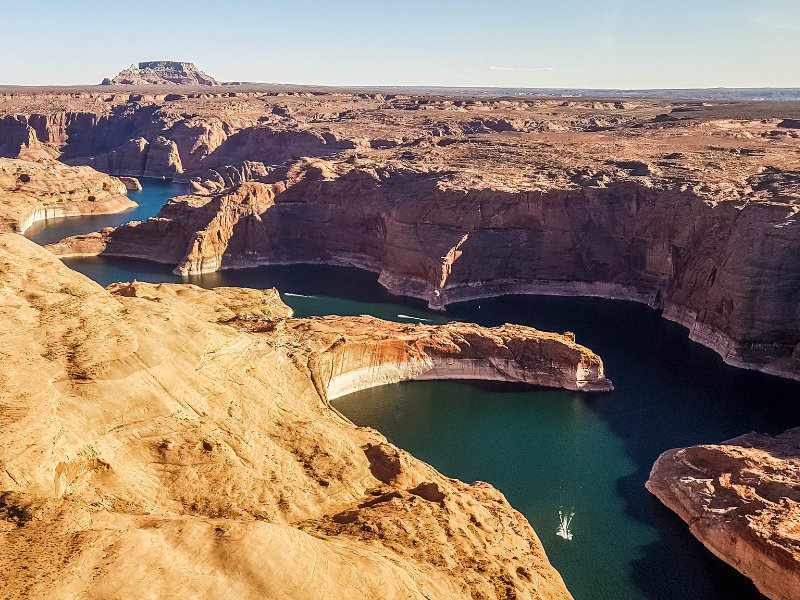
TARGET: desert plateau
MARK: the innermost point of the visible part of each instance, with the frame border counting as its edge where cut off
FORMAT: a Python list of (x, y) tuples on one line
[(497, 303)]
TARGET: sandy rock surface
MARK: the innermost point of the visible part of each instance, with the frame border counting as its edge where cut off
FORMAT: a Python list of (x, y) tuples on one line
[(31, 191), (171, 441), (741, 499), (687, 206)]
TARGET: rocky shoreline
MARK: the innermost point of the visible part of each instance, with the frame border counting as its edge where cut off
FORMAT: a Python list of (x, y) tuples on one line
[(688, 207), (149, 428), (741, 499), (429, 238)]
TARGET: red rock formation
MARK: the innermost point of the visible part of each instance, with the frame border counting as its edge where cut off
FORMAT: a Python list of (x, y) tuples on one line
[(345, 355), (131, 184), (692, 212), (32, 191), (741, 499), (172, 441), (723, 269)]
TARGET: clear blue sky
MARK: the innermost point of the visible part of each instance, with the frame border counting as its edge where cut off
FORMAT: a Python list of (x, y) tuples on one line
[(534, 43)]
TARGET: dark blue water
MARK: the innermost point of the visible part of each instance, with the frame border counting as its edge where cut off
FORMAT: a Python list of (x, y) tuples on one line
[(150, 199), (587, 454)]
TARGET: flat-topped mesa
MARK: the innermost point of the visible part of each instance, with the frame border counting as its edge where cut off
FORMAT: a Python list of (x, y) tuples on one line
[(348, 354), (33, 191), (184, 430), (741, 499), (162, 72)]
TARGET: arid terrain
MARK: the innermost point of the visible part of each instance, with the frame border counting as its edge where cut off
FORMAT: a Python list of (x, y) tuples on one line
[(741, 499), (179, 439), (690, 207)]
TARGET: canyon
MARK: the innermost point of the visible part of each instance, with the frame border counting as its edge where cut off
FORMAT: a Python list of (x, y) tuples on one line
[(741, 499), (688, 207), (714, 259), (167, 436)]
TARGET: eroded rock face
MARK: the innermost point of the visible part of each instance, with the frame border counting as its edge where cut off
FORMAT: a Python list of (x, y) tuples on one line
[(345, 355), (131, 184), (32, 191), (725, 269), (174, 441), (741, 499), (162, 72), (689, 207)]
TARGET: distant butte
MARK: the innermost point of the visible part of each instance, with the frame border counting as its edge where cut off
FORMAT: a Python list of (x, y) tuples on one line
[(162, 72)]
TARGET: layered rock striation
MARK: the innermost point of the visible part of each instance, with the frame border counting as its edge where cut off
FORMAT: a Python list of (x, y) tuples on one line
[(723, 265), (741, 499), (689, 207), (176, 441), (33, 191), (345, 355), (162, 72)]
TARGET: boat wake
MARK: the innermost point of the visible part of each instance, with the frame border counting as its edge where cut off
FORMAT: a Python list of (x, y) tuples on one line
[(564, 522), (410, 317), (296, 295)]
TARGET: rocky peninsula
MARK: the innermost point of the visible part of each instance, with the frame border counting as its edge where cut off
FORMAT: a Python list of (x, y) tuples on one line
[(162, 72), (741, 498), (32, 191), (718, 260), (181, 438), (689, 207)]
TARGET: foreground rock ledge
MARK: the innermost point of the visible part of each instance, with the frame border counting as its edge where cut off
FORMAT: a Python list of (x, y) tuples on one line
[(170, 441), (741, 499), (33, 191)]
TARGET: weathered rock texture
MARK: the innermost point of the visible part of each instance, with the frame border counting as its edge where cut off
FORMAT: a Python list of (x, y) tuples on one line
[(741, 499), (351, 354), (689, 207), (131, 183), (170, 441), (162, 72), (725, 266), (34, 191)]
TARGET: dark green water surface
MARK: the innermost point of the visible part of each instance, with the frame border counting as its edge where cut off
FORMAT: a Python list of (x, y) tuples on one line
[(551, 451)]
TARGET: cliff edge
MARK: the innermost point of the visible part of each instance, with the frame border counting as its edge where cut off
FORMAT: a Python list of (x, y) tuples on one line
[(32, 191), (174, 441), (741, 498)]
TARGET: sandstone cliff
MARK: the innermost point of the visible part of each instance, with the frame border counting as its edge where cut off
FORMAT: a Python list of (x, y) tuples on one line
[(689, 207), (165, 440), (34, 191), (722, 265), (741, 499)]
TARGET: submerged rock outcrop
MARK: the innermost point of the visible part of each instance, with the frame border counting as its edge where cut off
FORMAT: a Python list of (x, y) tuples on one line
[(741, 499), (174, 441), (32, 191)]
